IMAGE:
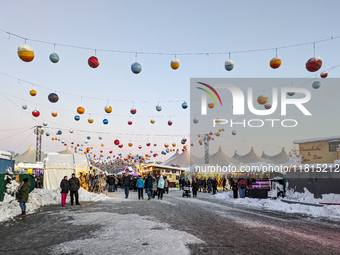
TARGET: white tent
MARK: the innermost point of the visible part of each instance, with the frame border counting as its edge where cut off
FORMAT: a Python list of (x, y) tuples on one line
[(28, 156), (280, 158), (56, 166)]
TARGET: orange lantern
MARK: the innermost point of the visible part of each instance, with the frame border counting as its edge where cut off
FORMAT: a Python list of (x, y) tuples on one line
[(80, 110)]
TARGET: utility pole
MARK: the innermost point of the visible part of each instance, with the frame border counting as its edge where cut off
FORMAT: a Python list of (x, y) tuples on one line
[(206, 148)]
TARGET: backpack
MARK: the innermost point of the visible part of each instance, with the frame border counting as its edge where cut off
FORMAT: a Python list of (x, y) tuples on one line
[(242, 186)]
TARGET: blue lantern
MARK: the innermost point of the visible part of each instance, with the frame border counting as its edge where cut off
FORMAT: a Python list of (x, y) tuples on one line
[(59, 132), (105, 121), (195, 120), (77, 117), (158, 108), (136, 68), (316, 85), (54, 57), (167, 150), (47, 133), (88, 138), (182, 142), (290, 94), (53, 97), (185, 105)]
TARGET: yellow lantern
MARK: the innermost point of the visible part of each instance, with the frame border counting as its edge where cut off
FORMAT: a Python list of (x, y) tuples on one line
[(262, 99), (80, 110), (175, 63), (25, 53), (90, 120)]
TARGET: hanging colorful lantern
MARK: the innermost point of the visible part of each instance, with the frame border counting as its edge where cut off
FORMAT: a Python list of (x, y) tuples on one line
[(316, 85), (268, 105), (166, 145), (33, 93), (85, 141), (173, 145), (314, 64), (185, 105), (130, 122), (71, 131), (152, 121), (44, 123), (170, 122), (275, 62), (136, 68), (47, 133), (155, 144), (108, 109), (262, 99), (234, 132), (130, 144), (54, 57), (290, 94), (223, 129), (102, 145), (324, 74), (25, 53), (229, 65), (80, 110), (105, 121), (93, 62), (218, 134), (36, 113), (77, 117), (140, 147), (158, 108), (148, 144), (116, 142), (175, 63), (100, 137), (54, 114), (53, 97), (211, 105), (90, 120), (133, 111), (88, 137), (24, 106), (192, 144), (195, 120)]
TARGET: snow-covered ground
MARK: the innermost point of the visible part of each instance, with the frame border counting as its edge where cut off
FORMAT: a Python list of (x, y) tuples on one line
[(329, 211), (41, 197), (132, 234)]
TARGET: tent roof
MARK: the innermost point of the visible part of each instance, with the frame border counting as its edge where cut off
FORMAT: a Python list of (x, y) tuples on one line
[(66, 151), (28, 156), (184, 160), (280, 158), (220, 158), (171, 158), (250, 157)]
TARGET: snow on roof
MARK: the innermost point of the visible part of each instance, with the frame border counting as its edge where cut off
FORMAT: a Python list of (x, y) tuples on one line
[(325, 139)]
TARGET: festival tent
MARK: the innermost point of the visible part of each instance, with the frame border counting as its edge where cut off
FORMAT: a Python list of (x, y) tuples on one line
[(184, 160), (66, 151), (171, 158), (280, 158), (56, 166), (221, 159), (250, 157), (28, 156)]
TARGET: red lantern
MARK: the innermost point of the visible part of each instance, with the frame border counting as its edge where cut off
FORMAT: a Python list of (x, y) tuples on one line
[(148, 144), (36, 113), (133, 111), (170, 122), (130, 122), (116, 142), (120, 145)]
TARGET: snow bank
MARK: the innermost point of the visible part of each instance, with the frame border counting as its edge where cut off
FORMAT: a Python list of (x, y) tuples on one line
[(328, 211), (41, 197)]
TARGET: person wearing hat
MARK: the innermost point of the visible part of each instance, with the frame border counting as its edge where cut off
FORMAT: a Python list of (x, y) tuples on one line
[(194, 185), (74, 187), (126, 184), (23, 191), (65, 187)]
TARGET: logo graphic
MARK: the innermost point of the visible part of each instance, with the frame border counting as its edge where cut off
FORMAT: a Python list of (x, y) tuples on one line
[(204, 98)]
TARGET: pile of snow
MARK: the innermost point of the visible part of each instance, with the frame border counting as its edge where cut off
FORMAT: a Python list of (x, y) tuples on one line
[(328, 211), (41, 197)]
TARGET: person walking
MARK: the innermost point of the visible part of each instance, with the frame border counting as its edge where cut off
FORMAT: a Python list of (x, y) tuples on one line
[(234, 188), (214, 185), (166, 185), (148, 185), (23, 191), (224, 183), (204, 184), (140, 186), (183, 183), (65, 187), (160, 187), (242, 185), (74, 187), (126, 184), (209, 184), (111, 183), (115, 187), (194, 186)]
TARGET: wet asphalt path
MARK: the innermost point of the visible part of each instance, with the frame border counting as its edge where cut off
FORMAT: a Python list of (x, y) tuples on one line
[(224, 227)]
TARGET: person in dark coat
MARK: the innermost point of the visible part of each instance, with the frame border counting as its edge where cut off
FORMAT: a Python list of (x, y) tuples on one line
[(111, 183), (65, 187), (194, 186), (74, 187), (23, 190), (183, 183), (214, 185), (209, 182), (234, 188), (126, 181), (148, 185), (204, 184), (224, 183)]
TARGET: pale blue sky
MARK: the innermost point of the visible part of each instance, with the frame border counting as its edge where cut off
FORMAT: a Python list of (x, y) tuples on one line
[(150, 26)]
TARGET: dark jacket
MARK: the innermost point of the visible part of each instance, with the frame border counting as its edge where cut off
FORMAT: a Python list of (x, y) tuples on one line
[(74, 184), (148, 181), (126, 181), (187, 184), (111, 181), (194, 185), (65, 186), (214, 183), (24, 190)]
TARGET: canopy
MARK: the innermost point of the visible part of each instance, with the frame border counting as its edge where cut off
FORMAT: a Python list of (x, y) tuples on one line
[(280, 158), (28, 156), (66, 151)]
